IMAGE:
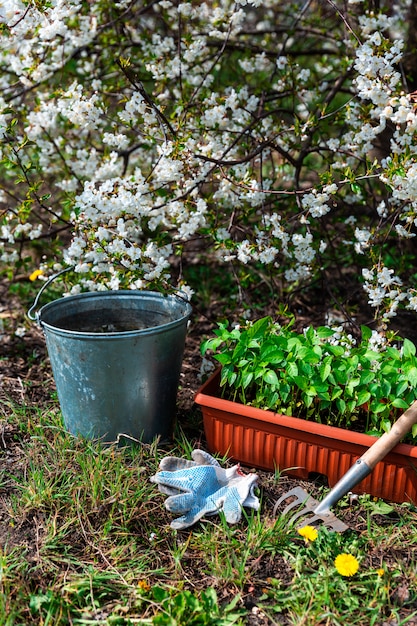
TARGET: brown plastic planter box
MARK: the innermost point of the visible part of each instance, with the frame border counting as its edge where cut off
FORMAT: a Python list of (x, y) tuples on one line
[(304, 449)]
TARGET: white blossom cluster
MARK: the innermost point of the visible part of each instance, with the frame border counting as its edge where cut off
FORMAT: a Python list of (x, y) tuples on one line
[(136, 135), (385, 290)]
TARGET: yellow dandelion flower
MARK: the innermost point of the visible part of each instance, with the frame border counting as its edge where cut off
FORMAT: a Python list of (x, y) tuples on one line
[(380, 571), (35, 275), (346, 564), (308, 532), (143, 585)]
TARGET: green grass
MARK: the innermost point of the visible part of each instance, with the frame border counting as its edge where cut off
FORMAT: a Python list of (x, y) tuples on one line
[(85, 539)]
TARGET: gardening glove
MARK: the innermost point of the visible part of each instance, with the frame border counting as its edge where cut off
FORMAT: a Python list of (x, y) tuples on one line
[(200, 457), (202, 487), (172, 463)]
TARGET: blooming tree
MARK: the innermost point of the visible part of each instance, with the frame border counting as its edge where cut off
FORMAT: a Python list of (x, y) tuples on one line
[(280, 133)]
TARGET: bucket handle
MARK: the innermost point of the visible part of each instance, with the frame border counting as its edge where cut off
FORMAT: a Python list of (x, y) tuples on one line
[(35, 316)]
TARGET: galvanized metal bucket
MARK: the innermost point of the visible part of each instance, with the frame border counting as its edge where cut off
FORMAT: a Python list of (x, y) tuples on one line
[(116, 358)]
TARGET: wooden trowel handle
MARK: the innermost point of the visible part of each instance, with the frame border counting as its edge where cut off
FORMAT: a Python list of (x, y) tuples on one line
[(388, 440)]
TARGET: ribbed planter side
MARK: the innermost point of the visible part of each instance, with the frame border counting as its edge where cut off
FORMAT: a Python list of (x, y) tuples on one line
[(301, 448)]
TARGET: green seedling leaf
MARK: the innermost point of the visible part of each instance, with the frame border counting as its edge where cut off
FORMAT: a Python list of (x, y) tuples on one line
[(378, 407), (273, 400), (321, 387), (301, 382), (284, 391), (223, 358), (324, 332), (393, 353), (294, 343), (363, 397), (228, 375), (351, 405), (272, 355), (270, 377), (385, 425), (375, 390), (389, 370), (366, 333), (307, 399), (400, 389), (310, 333), (341, 405), (247, 378), (325, 370), (303, 353), (399, 403), (258, 329), (318, 351), (386, 388), (211, 344), (292, 369), (341, 376), (412, 376), (309, 355), (354, 382), (336, 393), (372, 355), (409, 349), (336, 350)]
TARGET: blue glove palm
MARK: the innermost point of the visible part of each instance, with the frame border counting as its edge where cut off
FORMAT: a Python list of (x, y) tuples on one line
[(201, 487)]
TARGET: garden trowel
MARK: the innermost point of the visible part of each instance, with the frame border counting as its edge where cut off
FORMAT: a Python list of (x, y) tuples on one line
[(315, 512)]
